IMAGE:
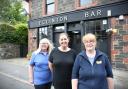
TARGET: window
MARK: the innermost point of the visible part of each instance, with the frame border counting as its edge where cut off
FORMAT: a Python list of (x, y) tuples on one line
[(50, 6), (43, 32), (85, 2), (97, 28)]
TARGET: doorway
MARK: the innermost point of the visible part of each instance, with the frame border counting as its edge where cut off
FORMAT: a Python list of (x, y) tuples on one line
[(57, 31), (75, 40)]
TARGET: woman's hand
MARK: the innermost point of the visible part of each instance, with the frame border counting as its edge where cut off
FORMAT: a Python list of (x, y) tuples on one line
[(31, 80)]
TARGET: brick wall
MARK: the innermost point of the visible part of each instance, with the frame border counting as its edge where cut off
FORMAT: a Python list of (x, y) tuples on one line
[(36, 9), (120, 41), (119, 44), (65, 5), (32, 40)]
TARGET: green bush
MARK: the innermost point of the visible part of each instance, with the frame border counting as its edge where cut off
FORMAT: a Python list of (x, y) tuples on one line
[(6, 33), (17, 34), (21, 34)]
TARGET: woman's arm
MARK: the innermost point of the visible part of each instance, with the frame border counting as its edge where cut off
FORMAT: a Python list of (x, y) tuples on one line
[(110, 83), (30, 72), (109, 72), (50, 66), (75, 73), (74, 83)]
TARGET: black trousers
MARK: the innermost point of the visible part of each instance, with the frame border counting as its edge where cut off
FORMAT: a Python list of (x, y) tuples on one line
[(43, 86), (62, 85)]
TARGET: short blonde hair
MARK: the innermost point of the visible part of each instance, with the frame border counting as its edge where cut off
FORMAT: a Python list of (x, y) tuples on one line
[(50, 45), (89, 36)]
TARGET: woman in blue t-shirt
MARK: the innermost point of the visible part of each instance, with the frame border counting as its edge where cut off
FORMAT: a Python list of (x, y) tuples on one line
[(39, 72)]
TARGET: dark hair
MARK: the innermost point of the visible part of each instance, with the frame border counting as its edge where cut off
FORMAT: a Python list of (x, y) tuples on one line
[(63, 34)]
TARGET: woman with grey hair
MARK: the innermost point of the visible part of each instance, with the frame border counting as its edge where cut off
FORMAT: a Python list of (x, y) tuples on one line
[(39, 72)]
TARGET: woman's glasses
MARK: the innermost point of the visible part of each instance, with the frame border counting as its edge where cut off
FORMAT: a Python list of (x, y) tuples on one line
[(89, 41)]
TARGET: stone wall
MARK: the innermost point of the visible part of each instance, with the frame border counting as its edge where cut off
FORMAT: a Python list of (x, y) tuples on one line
[(8, 50)]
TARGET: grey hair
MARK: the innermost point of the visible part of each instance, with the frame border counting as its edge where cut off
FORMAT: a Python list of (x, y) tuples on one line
[(50, 45)]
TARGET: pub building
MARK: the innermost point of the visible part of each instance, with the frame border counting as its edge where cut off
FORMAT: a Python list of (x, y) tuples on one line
[(107, 19)]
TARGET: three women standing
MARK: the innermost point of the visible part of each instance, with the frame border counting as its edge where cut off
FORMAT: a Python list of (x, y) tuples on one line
[(91, 70)]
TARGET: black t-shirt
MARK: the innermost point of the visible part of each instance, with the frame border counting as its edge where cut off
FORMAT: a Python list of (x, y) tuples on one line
[(62, 65)]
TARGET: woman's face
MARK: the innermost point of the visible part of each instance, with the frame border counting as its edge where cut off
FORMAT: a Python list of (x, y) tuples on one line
[(44, 46), (63, 41), (90, 44)]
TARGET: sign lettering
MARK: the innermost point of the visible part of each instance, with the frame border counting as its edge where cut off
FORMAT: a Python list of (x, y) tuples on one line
[(92, 13), (53, 20)]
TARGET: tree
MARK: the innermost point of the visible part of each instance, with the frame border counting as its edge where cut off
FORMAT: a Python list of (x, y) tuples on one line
[(10, 11), (11, 18), (13, 24), (4, 8)]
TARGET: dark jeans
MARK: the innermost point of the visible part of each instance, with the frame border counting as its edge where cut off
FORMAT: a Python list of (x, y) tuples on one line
[(43, 86)]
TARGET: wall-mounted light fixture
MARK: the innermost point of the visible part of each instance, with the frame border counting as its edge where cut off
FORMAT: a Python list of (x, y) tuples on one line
[(34, 36), (111, 30), (121, 17)]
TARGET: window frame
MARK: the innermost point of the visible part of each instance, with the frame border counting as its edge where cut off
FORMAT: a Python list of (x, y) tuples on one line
[(48, 4), (77, 4), (43, 30), (44, 9)]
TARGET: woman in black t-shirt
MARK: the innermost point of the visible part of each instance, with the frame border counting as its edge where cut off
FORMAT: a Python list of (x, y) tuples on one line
[(61, 61)]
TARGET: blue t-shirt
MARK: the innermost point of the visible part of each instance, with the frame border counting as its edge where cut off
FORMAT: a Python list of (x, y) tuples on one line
[(91, 60), (42, 73)]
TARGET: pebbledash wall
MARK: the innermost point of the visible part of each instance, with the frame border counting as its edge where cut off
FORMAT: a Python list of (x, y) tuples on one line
[(112, 16)]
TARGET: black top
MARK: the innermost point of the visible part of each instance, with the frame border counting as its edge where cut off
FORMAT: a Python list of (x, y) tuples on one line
[(62, 67)]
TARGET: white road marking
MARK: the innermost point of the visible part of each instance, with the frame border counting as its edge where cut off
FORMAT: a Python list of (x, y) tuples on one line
[(16, 78)]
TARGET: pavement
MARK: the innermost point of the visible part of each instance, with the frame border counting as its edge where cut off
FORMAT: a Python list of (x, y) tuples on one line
[(120, 76), (16, 68), (16, 61), (21, 69)]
